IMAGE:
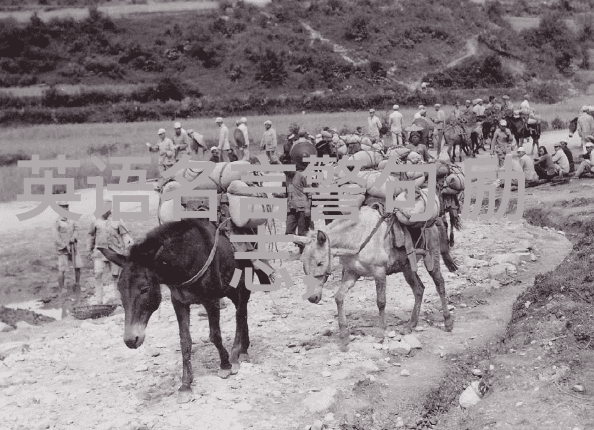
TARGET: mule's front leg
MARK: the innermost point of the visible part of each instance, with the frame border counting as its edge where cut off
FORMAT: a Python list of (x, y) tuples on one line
[(418, 289), (348, 280), (380, 288), (214, 316), (183, 319)]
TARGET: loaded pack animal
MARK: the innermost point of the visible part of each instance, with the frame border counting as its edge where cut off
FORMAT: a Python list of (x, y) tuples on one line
[(375, 246), (464, 134), (197, 263), (521, 129)]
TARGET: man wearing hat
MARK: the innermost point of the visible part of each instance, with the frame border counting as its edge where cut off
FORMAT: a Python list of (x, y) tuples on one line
[(269, 142), (468, 106), (420, 112), (224, 145), (478, 109), (587, 162), (507, 104), (242, 139), (166, 150), (395, 124), (525, 105), (585, 126), (181, 141), (560, 160), (375, 125), (457, 112), (66, 242), (199, 150), (107, 233), (501, 142), (527, 164), (439, 126), (569, 156)]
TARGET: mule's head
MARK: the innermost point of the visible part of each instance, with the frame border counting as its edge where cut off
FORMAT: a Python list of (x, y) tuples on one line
[(316, 260), (140, 291)]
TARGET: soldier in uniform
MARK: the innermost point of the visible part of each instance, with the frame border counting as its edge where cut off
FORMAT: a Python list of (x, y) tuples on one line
[(107, 233), (502, 139), (166, 150), (181, 140), (67, 248)]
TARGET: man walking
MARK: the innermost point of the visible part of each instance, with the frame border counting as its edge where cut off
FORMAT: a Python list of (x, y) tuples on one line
[(395, 123), (507, 104), (585, 125), (181, 141), (374, 124), (269, 143), (457, 113), (439, 126), (224, 145), (502, 139), (166, 151), (67, 248), (107, 233), (242, 139)]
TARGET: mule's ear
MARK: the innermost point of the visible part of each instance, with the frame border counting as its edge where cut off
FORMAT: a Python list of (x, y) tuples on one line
[(301, 240), (113, 256), (321, 237)]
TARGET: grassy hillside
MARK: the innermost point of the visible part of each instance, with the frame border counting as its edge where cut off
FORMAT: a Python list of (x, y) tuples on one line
[(244, 48)]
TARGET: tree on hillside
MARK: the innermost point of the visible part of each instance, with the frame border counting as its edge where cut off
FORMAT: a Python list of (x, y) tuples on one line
[(270, 68), (554, 37)]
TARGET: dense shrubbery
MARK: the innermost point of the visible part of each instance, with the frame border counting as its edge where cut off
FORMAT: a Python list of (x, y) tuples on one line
[(473, 73)]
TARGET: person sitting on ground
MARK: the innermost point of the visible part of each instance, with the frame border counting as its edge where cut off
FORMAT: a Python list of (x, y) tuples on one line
[(560, 160), (527, 165), (569, 156), (544, 166), (587, 164), (215, 155)]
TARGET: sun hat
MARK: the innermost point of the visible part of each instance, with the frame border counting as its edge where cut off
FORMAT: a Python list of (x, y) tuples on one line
[(161, 131), (177, 125), (395, 107), (267, 122), (219, 119)]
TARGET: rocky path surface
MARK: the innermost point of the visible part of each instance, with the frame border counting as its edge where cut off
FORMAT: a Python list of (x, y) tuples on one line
[(73, 374)]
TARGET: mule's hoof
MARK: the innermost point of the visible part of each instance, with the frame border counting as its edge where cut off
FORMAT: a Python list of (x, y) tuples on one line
[(344, 347), (184, 396), (234, 368), (244, 358), (185, 389), (449, 325), (224, 373), (406, 329)]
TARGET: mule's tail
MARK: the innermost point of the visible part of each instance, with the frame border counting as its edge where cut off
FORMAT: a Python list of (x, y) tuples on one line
[(449, 261), (444, 247), (456, 221)]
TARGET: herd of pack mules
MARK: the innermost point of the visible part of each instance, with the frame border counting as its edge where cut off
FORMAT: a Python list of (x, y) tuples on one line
[(197, 263), (470, 132)]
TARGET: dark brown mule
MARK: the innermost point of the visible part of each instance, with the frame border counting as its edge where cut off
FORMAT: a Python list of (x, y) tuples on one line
[(180, 255)]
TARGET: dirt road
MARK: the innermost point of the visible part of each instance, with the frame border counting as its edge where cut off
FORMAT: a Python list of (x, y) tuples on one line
[(72, 374)]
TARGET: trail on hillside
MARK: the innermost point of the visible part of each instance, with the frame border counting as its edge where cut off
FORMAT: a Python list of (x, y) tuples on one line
[(339, 49), (471, 49)]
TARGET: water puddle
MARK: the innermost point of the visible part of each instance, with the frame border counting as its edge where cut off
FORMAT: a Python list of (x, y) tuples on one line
[(38, 307)]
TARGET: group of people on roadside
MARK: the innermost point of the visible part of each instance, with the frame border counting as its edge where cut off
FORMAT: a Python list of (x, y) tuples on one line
[(192, 143)]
